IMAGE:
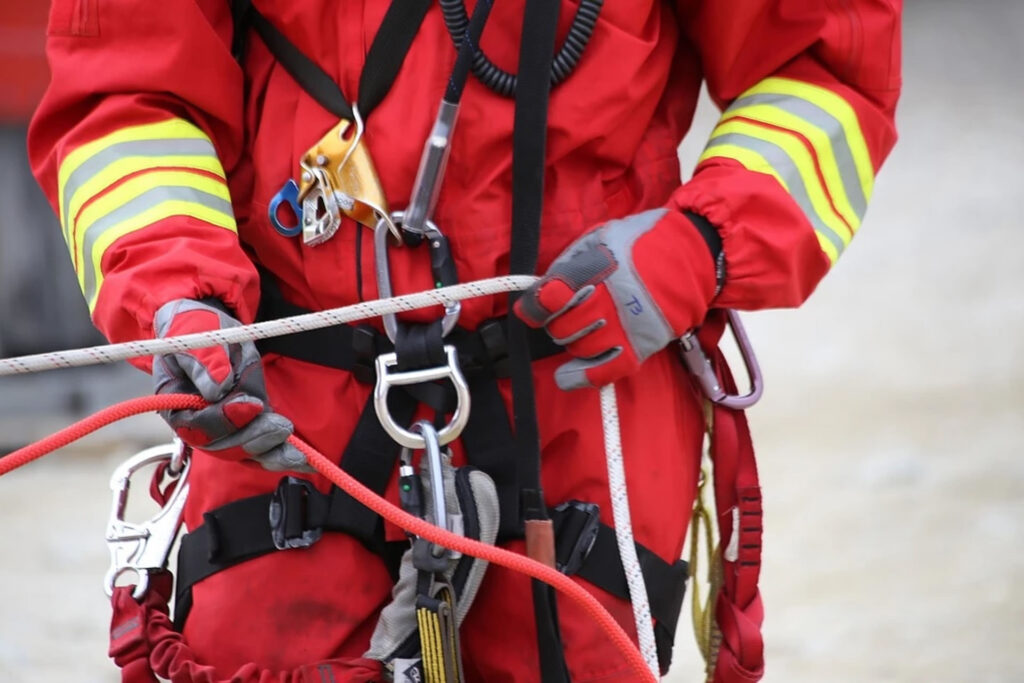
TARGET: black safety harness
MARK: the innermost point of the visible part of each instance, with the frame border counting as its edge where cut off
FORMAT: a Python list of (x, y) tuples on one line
[(296, 514)]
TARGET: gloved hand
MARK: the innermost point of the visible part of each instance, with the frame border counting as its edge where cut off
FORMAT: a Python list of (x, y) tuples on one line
[(238, 423), (621, 293)]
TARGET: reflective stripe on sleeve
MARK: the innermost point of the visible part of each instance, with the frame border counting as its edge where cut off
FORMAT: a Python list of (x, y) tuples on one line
[(132, 178), (811, 140)]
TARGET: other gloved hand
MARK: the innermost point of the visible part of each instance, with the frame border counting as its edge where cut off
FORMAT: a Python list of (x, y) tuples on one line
[(238, 423), (621, 293)]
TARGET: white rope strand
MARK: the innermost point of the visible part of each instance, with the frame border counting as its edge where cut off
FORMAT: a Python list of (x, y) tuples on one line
[(112, 353), (624, 528)]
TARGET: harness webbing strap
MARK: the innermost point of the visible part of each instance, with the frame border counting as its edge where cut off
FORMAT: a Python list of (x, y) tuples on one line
[(529, 143), (383, 61), (241, 530), (738, 608)]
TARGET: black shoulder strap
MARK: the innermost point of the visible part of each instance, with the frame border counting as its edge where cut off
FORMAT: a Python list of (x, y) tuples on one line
[(383, 61), (529, 142)]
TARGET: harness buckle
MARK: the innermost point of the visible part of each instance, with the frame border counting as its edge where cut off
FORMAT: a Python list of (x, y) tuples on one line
[(584, 520), (143, 548), (700, 367), (289, 513), (387, 378)]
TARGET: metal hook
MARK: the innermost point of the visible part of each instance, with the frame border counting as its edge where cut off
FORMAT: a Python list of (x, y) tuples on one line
[(144, 547), (700, 367)]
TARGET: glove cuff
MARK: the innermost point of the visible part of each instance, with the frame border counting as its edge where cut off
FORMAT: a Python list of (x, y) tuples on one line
[(714, 242)]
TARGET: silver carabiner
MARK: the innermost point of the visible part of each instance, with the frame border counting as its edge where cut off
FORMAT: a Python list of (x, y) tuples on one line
[(700, 367), (432, 452), (382, 270), (143, 548), (388, 378)]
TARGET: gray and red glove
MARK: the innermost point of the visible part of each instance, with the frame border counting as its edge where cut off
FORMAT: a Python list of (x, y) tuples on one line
[(239, 423), (623, 292)]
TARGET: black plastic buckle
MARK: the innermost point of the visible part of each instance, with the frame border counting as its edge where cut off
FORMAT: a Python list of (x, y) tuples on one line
[(575, 534), (289, 514), (492, 335)]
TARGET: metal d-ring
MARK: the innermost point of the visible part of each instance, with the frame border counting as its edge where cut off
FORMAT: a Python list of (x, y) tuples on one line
[(387, 378)]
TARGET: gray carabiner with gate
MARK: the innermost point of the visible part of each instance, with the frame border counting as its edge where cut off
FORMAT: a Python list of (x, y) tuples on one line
[(700, 367), (383, 272), (143, 548), (435, 462)]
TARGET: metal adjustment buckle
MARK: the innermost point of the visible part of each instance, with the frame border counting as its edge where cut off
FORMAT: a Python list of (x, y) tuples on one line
[(289, 512), (700, 367), (571, 562), (143, 548), (388, 378)]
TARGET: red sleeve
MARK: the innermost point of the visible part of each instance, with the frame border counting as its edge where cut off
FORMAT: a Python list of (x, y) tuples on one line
[(809, 92), (141, 118)]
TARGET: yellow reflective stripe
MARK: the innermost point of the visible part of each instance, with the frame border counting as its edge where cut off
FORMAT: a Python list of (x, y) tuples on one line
[(133, 188), (749, 159), (803, 163), (819, 139), (753, 161), (171, 128), (128, 165), (837, 107), (174, 207)]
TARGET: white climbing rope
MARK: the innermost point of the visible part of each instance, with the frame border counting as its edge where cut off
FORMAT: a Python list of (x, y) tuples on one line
[(112, 353), (624, 528)]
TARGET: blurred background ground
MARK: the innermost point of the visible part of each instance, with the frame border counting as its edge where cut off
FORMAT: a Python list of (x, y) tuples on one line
[(889, 438)]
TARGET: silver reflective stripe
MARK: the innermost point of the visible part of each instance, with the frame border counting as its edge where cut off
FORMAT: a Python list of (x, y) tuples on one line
[(198, 147), (782, 163), (145, 201), (815, 115)]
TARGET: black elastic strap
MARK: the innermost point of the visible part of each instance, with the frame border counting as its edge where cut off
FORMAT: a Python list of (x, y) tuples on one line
[(714, 242), (383, 61), (529, 143)]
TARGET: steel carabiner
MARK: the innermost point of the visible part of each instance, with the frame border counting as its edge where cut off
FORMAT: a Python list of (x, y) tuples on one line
[(144, 547), (700, 367), (442, 269)]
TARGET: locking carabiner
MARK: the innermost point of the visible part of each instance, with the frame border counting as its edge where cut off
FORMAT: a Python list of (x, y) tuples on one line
[(144, 547), (442, 269), (700, 367)]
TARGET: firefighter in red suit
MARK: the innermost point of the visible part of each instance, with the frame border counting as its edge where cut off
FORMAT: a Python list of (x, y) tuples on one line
[(160, 154)]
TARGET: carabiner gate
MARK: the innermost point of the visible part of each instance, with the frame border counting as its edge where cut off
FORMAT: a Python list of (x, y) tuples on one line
[(144, 547)]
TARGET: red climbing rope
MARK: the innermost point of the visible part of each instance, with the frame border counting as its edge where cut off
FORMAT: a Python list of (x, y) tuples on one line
[(395, 515)]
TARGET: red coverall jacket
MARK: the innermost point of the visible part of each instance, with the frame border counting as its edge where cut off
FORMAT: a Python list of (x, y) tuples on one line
[(160, 164)]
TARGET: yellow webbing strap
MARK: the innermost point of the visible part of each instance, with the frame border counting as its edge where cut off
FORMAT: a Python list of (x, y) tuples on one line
[(705, 629), (439, 639)]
